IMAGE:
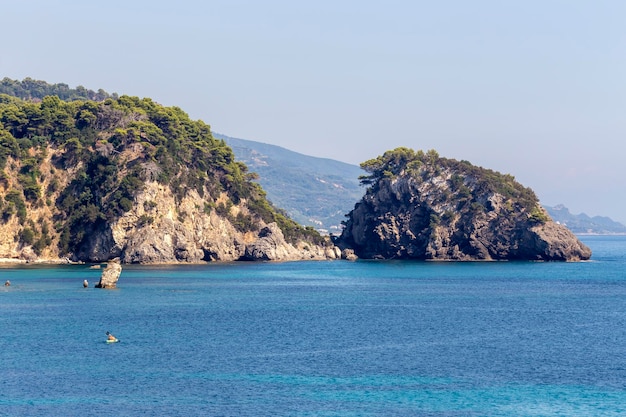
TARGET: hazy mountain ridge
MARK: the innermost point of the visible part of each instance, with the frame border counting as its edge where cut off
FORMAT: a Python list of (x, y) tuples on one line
[(584, 224), (317, 192)]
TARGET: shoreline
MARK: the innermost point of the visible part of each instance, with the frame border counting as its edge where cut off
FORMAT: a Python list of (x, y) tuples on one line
[(19, 261)]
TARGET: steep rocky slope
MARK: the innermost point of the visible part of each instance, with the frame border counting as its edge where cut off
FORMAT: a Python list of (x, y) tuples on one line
[(421, 206), (129, 178)]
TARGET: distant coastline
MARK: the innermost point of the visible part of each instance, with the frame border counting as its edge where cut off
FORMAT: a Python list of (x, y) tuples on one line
[(599, 234)]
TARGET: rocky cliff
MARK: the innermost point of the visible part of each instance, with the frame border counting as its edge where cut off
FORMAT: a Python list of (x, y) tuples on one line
[(180, 232), (128, 178), (421, 206)]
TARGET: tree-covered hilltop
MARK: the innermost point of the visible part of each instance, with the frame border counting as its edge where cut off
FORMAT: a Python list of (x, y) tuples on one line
[(421, 206), (71, 169), (465, 185), (29, 89)]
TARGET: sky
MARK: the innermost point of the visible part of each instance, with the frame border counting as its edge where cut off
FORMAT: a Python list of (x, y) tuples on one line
[(532, 88)]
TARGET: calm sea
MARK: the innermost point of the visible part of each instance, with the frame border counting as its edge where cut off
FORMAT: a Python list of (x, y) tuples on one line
[(319, 339)]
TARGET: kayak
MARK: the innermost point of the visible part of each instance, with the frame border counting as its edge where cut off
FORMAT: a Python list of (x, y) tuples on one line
[(113, 340)]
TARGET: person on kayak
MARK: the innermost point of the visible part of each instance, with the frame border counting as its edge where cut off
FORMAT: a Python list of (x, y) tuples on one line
[(110, 336)]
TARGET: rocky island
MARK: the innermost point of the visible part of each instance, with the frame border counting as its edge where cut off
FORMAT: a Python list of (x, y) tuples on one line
[(421, 206)]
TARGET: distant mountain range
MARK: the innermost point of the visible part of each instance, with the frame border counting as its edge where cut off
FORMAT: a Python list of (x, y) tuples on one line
[(315, 192), (583, 224), (319, 192)]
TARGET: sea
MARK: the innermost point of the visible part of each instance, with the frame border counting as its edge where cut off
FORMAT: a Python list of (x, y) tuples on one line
[(336, 338)]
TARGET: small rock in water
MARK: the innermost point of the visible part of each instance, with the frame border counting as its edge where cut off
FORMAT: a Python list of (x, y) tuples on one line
[(110, 274)]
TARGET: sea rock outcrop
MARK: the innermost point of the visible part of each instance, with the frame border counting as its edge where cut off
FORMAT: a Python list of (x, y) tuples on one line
[(421, 206), (110, 275)]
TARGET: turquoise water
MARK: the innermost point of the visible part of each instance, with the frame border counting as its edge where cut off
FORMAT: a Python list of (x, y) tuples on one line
[(320, 339)]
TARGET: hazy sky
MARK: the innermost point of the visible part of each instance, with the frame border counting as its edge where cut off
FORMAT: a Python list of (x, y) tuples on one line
[(532, 88)]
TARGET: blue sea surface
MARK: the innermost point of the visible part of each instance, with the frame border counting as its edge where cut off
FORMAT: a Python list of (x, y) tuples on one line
[(319, 339)]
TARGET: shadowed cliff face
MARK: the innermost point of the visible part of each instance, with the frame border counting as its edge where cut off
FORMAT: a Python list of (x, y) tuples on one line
[(444, 210)]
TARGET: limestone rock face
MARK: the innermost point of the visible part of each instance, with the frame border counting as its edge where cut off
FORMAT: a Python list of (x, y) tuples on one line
[(348, 254), (269, 246), (159, 229), (422, 217), (110, 275)]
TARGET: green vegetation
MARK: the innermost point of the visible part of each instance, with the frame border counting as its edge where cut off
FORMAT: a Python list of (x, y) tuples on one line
[(29, 89), (14, 203), (314, 191), (538, 216), (421, 166), (112, 147)]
